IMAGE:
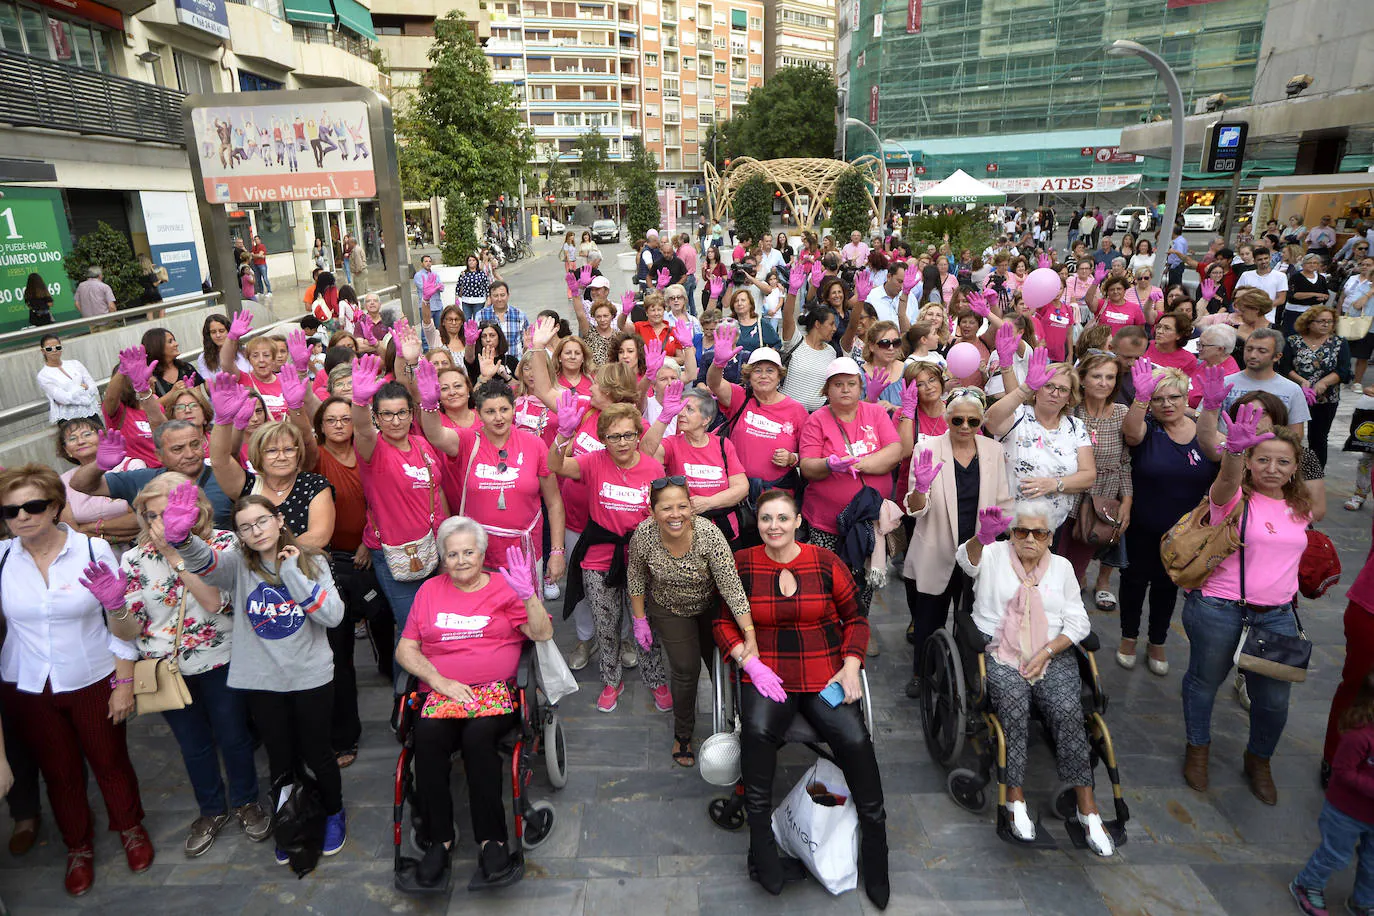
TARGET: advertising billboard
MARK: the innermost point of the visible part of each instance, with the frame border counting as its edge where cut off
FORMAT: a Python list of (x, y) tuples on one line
[(33, 239), (172, 240), (206, 15)]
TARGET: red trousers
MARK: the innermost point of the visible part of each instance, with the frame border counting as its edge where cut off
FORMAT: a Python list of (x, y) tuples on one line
[(1359, 657), (64, 728)]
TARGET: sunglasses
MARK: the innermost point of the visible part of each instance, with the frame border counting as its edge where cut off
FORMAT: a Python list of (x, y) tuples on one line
[(888, 343), (56, 349), (676, 480), (32, 507), (501, 456), (1041, 534), (973, 422)]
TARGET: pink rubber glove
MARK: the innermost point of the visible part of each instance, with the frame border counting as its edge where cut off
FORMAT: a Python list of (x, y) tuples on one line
[(1143, 374), (682, 330), (875, 385), (427, 383), (519, 573), (109, 451), (1007, 341), (299, 351), (664, 278), (653, 359), (1208, 289), (472, 332), (627, 303), (1100, 273), (911, 400), (795, 280), (367, 381), (910, 279), (226, 397), (1043, 260), (978, 304), (1243, 433), (584, 278), (672, 401), (817, 274), (924, 470), (839, 464), (573, 288), (717, 287), (241, 325), (181, 513), (293, 388), (1156, 295), (1038, 369), (400, 329), (862, 285), (244, 415), (644, 635), (365, 328), (107, 587), (764, 679), (992, 521), (570, 411), (1310, 394), (137, 368), (1212, 381), (725, 349)]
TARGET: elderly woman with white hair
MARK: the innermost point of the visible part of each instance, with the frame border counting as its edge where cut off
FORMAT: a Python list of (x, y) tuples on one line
[(463, 640), (1215, 346), (708, 465), (1027, 604)]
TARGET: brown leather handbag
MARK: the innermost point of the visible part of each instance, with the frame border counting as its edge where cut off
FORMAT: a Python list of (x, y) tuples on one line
[(1099, 521), (158, 682), (1194, 547)]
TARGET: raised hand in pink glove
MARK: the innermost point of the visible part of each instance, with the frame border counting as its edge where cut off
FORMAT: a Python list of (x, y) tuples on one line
[(817, 274), (1143, 375), (299, 351), (839, 464), (107, 587), (1212, 381), (1038, 371), (911, 400), (241, 325), (109, 450), (1310, 394), (400, 329), (910, 279), (584, 278), (664, 278), (472, 332), (924, 470), (1007, 341), (653, 359), (717, 287), (573, 286), (725, 349), (570, 411), (293, 387), (244, 415), (862, 285), (427, 383), (226, 396), (1156, 294), (992, 521), (682, 330), (1243, 433), (644, 635), (519, 573), (764, 679), (672, 401), (1207, 290), (795, 280), (1100, 273), (627, 302), (1043, 260), (367, 380), (873, 388), (137, 368), (978, 304), (180, 515), (366, 327)]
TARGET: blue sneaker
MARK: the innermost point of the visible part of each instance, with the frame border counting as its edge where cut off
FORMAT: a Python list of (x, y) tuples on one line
[(335, 832), (282, 857)]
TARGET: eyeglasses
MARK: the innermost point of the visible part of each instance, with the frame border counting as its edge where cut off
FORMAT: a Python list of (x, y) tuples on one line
[(889, 343), (336, 421), (250, 528), (973, 422), (393, 416), (616, 438), (80, 435), (32, 507), (1041, 534), (1059, 390), (56, 349), (185, 408), (288, 451), (676, 480), (1166, 399)]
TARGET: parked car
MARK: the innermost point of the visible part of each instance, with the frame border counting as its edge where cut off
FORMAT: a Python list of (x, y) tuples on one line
[(549, 227), (1126, 214), (1208, 219), (605, 230)]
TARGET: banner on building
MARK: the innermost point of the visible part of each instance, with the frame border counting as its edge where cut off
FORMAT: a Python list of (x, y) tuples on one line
[(1063, 184), (913, 16), (873, 105), (172, 240), (206, 15), (33, 239), (259, 153)]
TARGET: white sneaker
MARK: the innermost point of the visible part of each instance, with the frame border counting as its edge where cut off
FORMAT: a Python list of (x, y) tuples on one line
[(1022, 827), (1098, 840), (629, 653), (551, 591)]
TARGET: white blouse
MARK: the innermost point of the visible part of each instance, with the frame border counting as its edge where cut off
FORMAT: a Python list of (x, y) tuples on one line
[(67, 400), (57, 629), (1064, 611)]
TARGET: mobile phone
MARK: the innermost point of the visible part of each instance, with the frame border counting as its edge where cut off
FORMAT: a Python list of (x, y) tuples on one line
[(833, 695)]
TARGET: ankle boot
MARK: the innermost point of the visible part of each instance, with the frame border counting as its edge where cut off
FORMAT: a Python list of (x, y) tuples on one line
[(873, 860), (1261, 780), (764, 865), (1195, 767)]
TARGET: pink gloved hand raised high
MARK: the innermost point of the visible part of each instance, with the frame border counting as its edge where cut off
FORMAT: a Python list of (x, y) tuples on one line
[(299, 351), (570, 412), (725, 349), (518, 573), (109, 450), (873, 388), (992, 521), (180, 515), (1212, 381), (226, 396), (1143, 375), (1243, 433), (924, 470), (367, 379), (427, 384), (293, 387)]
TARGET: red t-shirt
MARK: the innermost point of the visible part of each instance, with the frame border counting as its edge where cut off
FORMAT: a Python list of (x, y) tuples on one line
[(502, 498), (471, 637), (618, 498), (702, 466), (870, 431), (132, 423), (762, 430), (665, 337), (400, 492), (270, 391)]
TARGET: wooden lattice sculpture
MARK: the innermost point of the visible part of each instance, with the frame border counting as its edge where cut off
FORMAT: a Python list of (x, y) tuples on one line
[(815, 177)]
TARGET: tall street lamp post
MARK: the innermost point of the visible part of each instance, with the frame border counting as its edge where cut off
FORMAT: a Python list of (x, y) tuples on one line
[(1123, 48)]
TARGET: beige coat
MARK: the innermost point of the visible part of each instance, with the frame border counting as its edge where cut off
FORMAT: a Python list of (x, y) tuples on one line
[(930, 558)]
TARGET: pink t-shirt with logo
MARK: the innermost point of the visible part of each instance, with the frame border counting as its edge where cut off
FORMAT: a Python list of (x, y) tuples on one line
[(702, 466), (1274, 544), (132, 423), (1057, 320), (471, 637), (1178, 359), (402, 499), (272, 397), (762, 430), (532, 415), (450, 472), (1117, 317), (870, 431), (503, 499), (618, 498)]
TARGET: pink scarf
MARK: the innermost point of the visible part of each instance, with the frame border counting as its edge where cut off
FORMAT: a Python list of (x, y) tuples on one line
[(1024, 629)]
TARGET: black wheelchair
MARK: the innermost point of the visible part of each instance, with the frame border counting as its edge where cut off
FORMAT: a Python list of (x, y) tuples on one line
[(538, 733), (956, 710), (728, 812)]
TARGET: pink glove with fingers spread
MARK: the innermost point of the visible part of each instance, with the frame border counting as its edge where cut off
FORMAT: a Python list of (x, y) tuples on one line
[(1243, 432), (924, 470), (109, 451), (241, 325), (366, 328), (795, 280), (978, 304), (1043, 260), (1038, 371), (725, 349), (644, 634), (682, 330), (137, 368), (472, 332), (573, 287), (764, 679), (653, 359), (293, 388), (570, 412), (1008, 341), (817, 274), (664, 278), (992, 521), (180, 515), (717, 287), (427, 384), (1156, 295), (862, 285), (910, 279), (911, 400), (244, 415), (226, 396), (873, 388), (367, 381), (299, 351), (107, 587), (1100, 273), (672, 401), (1143, 375), (519, 573), (1208, 289), (584, 278), (627, 302), (1212, 381)]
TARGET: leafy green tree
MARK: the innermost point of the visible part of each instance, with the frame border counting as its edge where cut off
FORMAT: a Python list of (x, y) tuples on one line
[(753, 208), (594, 152), (791, 115), (460, 230), (109, 250), (970, 230), (851, 210), (641, 190), (720, 142)]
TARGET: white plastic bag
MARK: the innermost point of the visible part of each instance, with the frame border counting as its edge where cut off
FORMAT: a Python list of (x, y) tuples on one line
[(825, 839), (554, 674)]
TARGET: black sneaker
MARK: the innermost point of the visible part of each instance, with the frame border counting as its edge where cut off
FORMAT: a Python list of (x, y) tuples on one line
[(431, 868), (913, 688)]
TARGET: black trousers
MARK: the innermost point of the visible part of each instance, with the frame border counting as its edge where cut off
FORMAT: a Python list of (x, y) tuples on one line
[(1144, 572), (688, 643), (930, 612), (435, 742), (295, 730), (1319, 429), (23, 798), (765, 723), (363, 600)]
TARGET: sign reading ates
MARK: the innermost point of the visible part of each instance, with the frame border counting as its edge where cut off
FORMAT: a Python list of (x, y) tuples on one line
[(257, 153)]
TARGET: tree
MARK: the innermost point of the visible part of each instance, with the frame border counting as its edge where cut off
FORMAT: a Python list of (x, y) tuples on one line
[(961, 230), (851, 210), (109, 250), (753, 208), (791, 115), (641, 190), (594, 151), (719, 144), (460, 230)]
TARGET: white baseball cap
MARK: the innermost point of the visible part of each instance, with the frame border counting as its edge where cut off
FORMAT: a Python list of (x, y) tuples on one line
[(765, 355), (841, 365), (599, 283)]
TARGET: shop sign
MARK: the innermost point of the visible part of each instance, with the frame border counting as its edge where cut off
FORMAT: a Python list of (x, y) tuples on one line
[(1113, 154), (172, 240), (32, 240), (1079, 184), (206, 15)]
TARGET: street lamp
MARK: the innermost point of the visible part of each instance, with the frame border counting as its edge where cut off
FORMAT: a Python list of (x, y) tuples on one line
[(882, 161), (1123, 48)]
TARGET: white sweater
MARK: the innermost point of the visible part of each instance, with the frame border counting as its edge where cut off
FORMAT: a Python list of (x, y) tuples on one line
[(67, 399), (994, 583)]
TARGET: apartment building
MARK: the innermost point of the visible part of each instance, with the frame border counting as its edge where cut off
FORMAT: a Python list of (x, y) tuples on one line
[(798, 33), (405, 34)]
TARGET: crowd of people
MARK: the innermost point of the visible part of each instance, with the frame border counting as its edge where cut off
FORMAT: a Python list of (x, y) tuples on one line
[(717, 461)]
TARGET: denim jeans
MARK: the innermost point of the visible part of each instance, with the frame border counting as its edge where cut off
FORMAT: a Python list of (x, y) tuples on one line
[(1341, 836), (216, 719), (1214, 626), (689, 283), (400, 595), (260, 278)]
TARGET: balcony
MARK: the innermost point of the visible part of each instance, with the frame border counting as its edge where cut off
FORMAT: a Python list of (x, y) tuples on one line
[(40, 93), (328, 57), (258, 33)]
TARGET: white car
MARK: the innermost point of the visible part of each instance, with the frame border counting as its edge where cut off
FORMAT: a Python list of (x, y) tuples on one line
[(1126, 214), (1207, 219), (549, 227)]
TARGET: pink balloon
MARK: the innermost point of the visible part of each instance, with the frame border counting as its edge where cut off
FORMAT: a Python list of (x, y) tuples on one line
[(963, 360), (1040, 288)]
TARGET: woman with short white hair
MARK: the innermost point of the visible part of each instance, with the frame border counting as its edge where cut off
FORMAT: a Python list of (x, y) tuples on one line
[(1026, 603)]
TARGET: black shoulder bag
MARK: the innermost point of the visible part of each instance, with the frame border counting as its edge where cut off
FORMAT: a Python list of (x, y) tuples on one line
[(1261, 651)]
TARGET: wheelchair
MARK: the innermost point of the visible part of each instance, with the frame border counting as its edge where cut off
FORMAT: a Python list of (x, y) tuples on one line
[(538, 733), (956, 710), (728, 812)]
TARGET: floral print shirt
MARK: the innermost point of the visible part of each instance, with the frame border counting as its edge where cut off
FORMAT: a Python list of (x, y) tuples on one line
[(1034, 451), (1332, 356), (153, 596)]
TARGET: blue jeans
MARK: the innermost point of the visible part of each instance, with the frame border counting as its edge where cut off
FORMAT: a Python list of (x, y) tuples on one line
[(260, 278), (1213, 626), (400, 595), (689, 283), (216, 718), (348, 271), (1341, 835)]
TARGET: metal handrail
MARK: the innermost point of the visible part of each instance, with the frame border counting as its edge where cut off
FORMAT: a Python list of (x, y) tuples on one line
[(28, 336)]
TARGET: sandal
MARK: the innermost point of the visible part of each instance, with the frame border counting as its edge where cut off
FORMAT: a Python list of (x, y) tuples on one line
[(683, 754), (345, 758), (1104, 600)]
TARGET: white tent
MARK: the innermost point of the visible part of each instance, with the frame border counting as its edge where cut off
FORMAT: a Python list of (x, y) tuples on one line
[(963, 188)]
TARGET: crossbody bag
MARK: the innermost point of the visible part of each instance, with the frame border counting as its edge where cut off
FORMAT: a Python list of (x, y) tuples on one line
[(158, 682), (1262, 651)]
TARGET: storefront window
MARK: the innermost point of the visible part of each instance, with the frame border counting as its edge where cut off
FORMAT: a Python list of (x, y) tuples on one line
[(273, 229), (25, 30)]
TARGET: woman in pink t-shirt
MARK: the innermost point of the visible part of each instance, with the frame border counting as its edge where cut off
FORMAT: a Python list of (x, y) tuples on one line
[(1113, 310), (764, 424), (1166, 350), (618, 479), (531, 413), (1254, 586), (711, 466)]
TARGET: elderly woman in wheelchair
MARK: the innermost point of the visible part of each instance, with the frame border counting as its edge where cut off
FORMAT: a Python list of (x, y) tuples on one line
[(1028, 608), (463, 639)]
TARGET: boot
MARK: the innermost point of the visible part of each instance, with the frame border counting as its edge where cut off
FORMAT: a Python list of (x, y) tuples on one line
[(1195, 767), (1261, 780), (764, 865), (873, 861)]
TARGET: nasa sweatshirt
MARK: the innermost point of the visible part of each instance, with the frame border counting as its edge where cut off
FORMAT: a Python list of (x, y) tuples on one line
[(281, 641)]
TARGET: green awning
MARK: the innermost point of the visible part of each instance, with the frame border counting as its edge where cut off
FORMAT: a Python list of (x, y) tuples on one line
[(317, 11), (355, 17)]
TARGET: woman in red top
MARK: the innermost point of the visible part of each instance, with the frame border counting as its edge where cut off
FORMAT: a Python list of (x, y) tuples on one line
[(657, 326), (810, 633)]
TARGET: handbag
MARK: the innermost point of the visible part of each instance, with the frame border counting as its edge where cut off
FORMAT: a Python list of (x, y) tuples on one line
[(158, 683), (1099, 521), (1262, 651), (415, 559), (1361, 438), (1320, 566), (1193, 547), (1353, 327)]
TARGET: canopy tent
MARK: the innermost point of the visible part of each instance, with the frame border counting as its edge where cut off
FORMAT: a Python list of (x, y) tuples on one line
[(963, 188)]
